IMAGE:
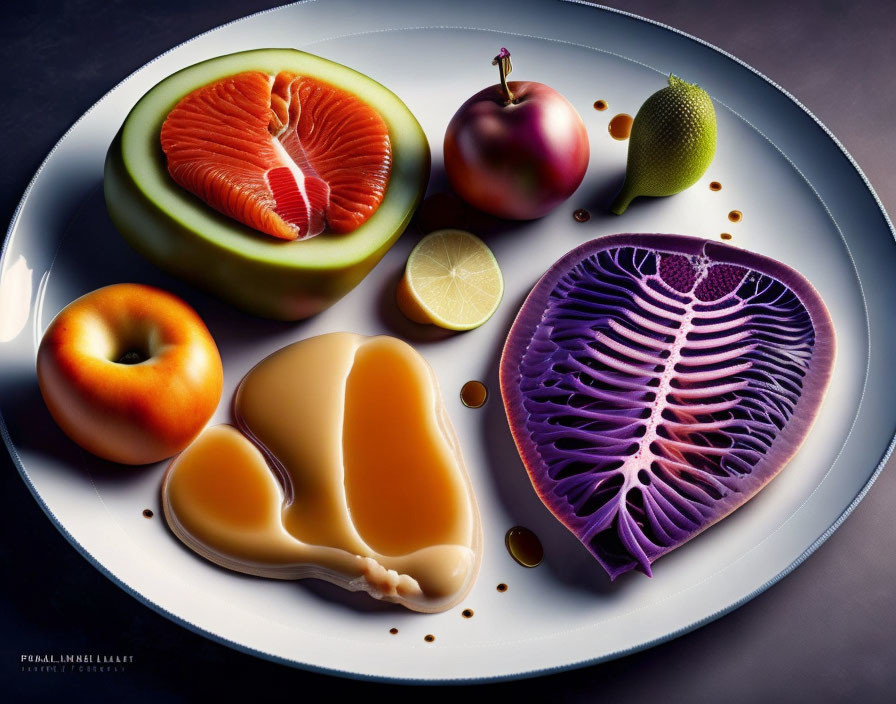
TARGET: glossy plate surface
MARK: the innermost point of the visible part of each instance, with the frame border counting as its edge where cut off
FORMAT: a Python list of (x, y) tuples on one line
[(803, 202)]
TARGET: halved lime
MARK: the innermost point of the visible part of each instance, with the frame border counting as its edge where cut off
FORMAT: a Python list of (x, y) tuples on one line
[(452, 280)]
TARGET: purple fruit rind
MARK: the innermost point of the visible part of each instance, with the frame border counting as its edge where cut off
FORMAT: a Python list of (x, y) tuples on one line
[(625, 468)]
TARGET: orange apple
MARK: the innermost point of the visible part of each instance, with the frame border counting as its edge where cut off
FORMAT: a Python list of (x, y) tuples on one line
[(130, 373)]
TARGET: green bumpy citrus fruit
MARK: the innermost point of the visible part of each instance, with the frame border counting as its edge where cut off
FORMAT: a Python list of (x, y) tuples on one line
[(673, 142)]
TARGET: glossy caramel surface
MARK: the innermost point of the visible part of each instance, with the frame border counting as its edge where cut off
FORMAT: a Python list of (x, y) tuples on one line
[(343, 466)]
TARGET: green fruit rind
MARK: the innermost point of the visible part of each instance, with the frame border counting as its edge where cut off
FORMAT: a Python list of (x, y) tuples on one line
[(672, 143), (255, 272)]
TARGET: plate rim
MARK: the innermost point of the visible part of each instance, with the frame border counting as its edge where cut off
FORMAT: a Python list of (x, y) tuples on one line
[(445, 680)]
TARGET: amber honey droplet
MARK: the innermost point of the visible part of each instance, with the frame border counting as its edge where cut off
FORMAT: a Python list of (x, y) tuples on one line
[(715, 186), (467, 613), (581, 215), (502, 587), (442, 211), (429, 638), (524, 546), (147, 513), (393, 631), (725, 235), (600, 105), (621, 126), (473, 394), (735, 216)]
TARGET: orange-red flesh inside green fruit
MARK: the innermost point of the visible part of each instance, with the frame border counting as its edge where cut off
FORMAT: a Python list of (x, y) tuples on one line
[(288, 155), (264, 275)]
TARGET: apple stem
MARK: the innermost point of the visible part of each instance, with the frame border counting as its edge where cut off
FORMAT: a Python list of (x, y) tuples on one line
[(502, 60)]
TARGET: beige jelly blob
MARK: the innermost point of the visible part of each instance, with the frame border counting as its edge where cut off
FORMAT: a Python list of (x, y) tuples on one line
[(344, 466)]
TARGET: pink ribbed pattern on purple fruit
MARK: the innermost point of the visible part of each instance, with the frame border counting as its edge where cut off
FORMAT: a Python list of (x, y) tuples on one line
[(654, 383)]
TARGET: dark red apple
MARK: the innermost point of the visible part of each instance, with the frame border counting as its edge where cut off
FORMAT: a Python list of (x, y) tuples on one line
[(516, 150)]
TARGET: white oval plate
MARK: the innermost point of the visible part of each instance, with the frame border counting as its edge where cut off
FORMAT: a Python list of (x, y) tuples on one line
[(804, 203)]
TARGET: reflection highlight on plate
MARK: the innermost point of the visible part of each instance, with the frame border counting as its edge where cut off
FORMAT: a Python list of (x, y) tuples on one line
[(15, 299)]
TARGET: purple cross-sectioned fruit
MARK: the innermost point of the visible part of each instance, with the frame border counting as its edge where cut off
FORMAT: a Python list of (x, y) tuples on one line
[(655, 383)]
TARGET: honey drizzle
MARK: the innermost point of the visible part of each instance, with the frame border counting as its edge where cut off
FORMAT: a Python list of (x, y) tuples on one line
[(620, 127), (474, 394), (524, 546)]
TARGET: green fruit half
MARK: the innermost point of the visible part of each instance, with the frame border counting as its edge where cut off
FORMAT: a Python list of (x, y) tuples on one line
[(182, 235)]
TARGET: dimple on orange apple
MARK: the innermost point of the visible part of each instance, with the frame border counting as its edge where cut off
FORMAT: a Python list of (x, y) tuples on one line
[(130, 373)]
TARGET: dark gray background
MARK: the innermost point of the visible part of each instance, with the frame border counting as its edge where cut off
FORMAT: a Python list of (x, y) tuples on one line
[(825, 633)]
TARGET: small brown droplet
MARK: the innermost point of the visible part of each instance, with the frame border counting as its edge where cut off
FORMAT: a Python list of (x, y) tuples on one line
[(620, 127), (147, 513), (502, 587), (393, 631), (429, 638), (524, 546), (473, 394), (735, 216), (467, 613), (715, 186), (725, 236), (581, 215), (600, 105)]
